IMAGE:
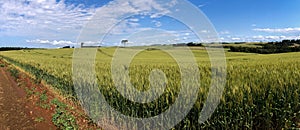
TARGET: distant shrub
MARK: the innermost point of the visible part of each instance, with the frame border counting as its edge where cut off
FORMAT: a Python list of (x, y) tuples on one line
[(270, 48), (152, 49)]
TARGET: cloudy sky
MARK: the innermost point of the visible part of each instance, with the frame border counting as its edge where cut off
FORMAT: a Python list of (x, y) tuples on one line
[(56, 23)]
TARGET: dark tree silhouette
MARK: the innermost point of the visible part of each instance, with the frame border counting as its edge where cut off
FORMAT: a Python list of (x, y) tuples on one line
[(124, 42)]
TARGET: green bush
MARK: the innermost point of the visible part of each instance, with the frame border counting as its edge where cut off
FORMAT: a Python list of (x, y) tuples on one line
[(62, 118), (14, 72)]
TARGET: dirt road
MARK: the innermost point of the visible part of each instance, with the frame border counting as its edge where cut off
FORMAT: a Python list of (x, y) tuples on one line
[(15, 111)]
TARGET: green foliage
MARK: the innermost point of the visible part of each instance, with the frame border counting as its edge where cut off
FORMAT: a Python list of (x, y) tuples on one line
[(43, 100), (39, 119), (14, 72), (43, 97), (62, 118), (29, 91), (58, 103)]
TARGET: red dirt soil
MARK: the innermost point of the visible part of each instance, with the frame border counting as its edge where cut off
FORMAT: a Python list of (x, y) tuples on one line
[(16, 111), (21, 111)]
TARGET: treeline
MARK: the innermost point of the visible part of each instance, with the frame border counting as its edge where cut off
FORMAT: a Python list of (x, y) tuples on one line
[(270, 48), (188, 44), (13, 48), (67, 47)]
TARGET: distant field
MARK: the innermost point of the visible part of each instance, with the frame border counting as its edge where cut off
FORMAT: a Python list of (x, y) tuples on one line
[(261, 92)]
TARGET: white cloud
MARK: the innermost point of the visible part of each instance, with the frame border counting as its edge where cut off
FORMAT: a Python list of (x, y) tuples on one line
[(157, 23), (224, 32), (54, 42), (267, 38), (152, 36), (52, 20), (201, 5), (235, 38), (42, 18), (111, 14), (258, 37), (273, 38), (134, 20), (278, 30), (204, 31)]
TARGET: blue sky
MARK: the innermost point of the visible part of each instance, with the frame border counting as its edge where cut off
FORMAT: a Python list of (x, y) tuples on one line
[(56, 23)]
